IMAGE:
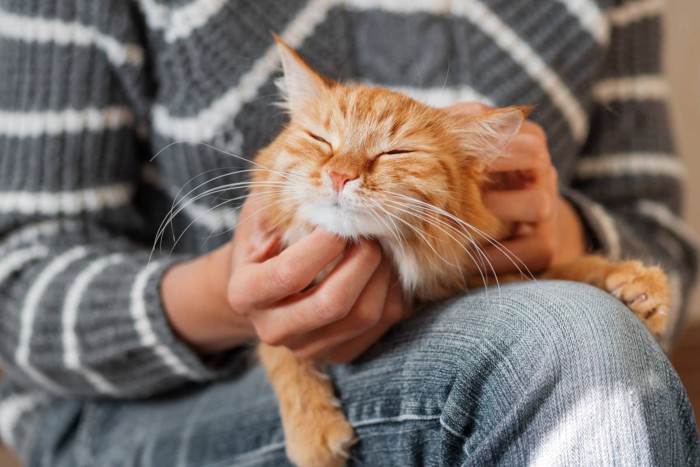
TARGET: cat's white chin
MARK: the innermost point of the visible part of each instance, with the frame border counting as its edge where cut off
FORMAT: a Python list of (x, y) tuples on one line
[(347, 222)]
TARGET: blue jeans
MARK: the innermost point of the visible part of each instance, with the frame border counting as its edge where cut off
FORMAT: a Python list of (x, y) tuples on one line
[(548, 373)]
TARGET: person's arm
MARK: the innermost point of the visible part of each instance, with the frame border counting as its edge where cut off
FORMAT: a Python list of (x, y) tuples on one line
[(628, 182), (248, 288), (80, 309), (625, 198), (84, 310)]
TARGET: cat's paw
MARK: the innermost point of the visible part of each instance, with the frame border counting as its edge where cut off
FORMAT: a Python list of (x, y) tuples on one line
[(644, 290), (320, 437)]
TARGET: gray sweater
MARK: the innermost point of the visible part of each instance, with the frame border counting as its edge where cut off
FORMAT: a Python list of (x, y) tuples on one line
[(91, 90)]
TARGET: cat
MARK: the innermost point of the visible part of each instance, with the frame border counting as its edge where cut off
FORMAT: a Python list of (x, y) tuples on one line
[(368, 162)]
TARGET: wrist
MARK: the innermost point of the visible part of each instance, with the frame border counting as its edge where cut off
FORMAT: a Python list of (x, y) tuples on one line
[(194, 295), (572, 236)]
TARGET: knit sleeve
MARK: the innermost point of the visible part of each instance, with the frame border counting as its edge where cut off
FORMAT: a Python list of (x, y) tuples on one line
[(80, 311), (628, 182)]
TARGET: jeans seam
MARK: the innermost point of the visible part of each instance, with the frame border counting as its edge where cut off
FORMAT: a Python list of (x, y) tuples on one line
[(400, 418), (451, 430), (241, 461)]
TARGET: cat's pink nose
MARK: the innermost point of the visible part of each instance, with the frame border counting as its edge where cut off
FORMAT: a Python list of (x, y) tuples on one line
[(340, 179)]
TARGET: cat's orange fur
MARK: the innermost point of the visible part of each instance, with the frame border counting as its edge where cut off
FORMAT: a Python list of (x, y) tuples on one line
[(347, 129)]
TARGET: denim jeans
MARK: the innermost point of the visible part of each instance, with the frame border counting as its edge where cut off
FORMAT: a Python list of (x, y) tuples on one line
[(546, 373)]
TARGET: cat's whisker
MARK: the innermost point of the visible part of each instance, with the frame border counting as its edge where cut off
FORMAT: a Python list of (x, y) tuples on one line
[(176, 198), (235, 156), (480, 262), (187, 200), (172, 214), (392, 228), (434, 222), (485, 261), (261, 197), (427, 242), (211, 180), (271, 223), (507, 253), (286, 199), (466, 235), (177, 239), (171, 217)]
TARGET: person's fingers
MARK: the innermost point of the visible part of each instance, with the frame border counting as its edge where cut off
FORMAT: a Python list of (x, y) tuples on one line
[(365, 314), (393, 313), (253, 242), (530, 205), (531, 128), (525, 152), (256, 285), (524, 255), (326, 303)]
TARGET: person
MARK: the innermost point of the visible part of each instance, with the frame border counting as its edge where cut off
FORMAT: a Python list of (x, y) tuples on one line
[(117, 354)]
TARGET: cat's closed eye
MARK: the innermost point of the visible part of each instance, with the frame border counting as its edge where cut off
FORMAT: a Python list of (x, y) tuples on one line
[(396, 151), (319, 139)]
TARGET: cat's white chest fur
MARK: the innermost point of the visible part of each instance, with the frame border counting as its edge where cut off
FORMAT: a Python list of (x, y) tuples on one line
[(351, 227)]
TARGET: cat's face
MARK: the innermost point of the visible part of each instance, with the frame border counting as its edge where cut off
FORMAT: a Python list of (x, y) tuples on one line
[(368, 162)]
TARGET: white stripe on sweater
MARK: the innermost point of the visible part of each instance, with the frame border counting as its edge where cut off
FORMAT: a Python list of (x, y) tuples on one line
[(11, 411), (631, 12), (649, 87), (214, 219), (204, 125), (611, 237), (669, 221), (16, 260), (33, 124), (630, 164), (29, 234), (441, 97), (142, 324), (66, 202), (591, 18), (518, 49), (180, 22), (30, 309), (521, 53), (43, 30), (71, 307)]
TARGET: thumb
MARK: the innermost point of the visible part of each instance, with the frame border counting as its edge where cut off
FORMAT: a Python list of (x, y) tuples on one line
[(254, 241)]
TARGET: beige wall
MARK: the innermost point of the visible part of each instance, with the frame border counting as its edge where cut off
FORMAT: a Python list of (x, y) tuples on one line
[(683, 70)]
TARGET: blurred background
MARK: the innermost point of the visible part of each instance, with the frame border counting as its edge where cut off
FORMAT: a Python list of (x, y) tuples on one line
[(683, 70), (682, 60)]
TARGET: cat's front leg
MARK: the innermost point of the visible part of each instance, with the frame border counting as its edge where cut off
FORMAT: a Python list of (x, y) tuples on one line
[(316, 431), (643, 289)]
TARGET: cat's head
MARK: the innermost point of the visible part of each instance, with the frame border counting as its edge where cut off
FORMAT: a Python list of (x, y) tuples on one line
[(366, 161)]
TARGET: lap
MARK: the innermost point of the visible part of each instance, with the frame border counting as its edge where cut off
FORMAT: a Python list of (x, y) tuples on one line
[(443, 380)]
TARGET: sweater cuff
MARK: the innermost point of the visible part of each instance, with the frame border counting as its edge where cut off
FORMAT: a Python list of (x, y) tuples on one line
[(136, 350), (175, 352)]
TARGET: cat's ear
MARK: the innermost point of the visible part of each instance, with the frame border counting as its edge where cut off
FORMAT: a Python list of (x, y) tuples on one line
[(301, 83), (485, 136)]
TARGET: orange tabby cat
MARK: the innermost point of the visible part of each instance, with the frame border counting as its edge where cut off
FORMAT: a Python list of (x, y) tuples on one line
[(367, 162)]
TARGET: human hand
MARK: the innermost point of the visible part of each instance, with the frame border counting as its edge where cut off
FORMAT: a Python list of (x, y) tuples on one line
[(547, 230), (244, 289), (337, 319)]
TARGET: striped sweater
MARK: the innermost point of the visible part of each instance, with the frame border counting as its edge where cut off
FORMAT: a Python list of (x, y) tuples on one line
[(92, 90)]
